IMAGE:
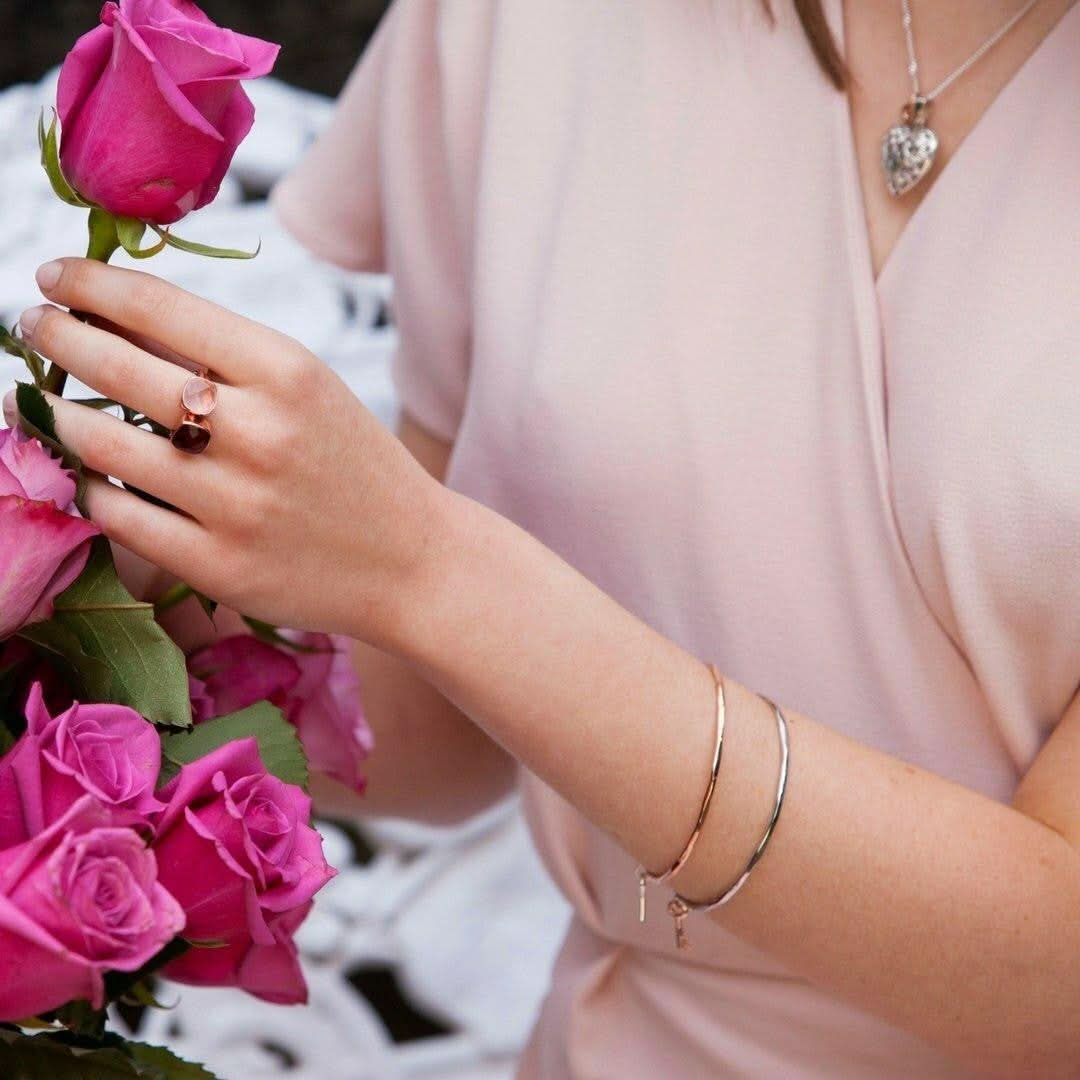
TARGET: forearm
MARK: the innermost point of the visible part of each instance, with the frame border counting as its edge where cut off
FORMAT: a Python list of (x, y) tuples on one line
[(947, 913), (432, 764)]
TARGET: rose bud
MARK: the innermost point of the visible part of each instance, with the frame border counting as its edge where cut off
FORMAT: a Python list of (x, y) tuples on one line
[(236, 849), (79, 899), (315, 687), (44, 543), (152, 110), (108, 751)]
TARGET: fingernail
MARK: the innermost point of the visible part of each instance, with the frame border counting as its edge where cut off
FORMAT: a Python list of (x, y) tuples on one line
[(29, 319), (11, 410), (48, 275)]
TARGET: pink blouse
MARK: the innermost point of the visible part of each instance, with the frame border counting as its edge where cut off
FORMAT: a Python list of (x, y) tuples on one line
[(634, 287)]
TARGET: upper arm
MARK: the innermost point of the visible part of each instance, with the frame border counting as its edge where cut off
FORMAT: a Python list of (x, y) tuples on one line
[(1050, 790)]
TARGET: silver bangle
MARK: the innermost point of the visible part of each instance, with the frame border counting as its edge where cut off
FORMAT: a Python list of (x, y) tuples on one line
[(679, 906)]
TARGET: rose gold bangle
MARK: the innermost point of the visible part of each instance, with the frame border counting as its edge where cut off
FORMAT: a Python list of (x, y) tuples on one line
[(680, 906), (643, 875)]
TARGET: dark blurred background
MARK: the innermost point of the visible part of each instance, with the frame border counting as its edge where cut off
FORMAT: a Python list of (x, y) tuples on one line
[(321, 39)]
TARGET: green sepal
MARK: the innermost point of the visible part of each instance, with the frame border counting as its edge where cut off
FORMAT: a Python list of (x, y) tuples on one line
[(269, 633), (149, 673), (16, 347), (279, 745), (50, 160), (204, 249), (120, 984), (130, 232)]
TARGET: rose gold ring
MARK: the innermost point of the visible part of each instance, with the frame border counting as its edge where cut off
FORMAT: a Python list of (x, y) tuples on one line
[(198, 399)]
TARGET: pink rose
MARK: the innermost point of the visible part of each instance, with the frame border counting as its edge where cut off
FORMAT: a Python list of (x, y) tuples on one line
[(237, 671), (44, 543), (235, 847), (325, 706), (78, 900), (152, 110), (108, 751), (317, 690)]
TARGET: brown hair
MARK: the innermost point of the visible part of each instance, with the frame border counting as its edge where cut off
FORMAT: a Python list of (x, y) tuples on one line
[(817, 30)]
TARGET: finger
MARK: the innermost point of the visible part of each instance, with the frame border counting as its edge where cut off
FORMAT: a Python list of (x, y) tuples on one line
[(227, 343), (141, 341), (107, 445), (160, 536), (111, 365)]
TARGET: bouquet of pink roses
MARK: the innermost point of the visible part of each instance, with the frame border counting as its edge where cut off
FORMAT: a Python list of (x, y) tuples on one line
[(153, 816)]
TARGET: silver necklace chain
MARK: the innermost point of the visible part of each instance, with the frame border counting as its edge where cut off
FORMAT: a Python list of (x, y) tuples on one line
[(974, 58)]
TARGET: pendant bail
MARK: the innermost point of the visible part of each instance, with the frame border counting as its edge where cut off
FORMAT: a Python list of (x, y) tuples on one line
[(916, 111)]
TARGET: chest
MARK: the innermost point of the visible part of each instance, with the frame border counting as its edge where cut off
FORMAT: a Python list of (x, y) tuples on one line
[(880, 84), (684, 370)]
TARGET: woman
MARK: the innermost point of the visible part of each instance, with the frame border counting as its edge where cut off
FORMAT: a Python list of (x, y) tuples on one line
[(699, 387)]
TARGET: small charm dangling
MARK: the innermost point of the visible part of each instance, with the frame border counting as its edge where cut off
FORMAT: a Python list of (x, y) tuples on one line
[(641, 894), (908, 148), (678, 911)]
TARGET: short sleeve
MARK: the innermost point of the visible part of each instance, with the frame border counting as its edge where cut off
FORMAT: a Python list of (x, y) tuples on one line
[(390, 186)]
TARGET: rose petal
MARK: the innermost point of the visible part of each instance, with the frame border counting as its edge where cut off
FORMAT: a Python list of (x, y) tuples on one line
[(162, 151), (240, 670), (81, 70), (29, 470), (36, 972), (42, 551)]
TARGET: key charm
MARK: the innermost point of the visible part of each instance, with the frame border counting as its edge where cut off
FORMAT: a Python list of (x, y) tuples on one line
[(678, 911)]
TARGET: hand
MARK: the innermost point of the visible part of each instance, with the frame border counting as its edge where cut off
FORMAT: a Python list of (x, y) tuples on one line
[(304, 510)]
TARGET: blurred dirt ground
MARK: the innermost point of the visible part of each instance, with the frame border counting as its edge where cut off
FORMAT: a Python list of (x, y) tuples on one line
[(321, 39)]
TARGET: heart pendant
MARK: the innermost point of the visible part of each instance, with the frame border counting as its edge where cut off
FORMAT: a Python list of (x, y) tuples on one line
[(907, 155)]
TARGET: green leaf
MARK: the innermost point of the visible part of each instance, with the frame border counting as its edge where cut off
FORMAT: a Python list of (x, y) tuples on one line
[(279, 746), (35, 410), (130, 231), (42, 1057), (94, 675), (204, 249), (34, 363), (50, 160), (164, 1063), (148, 670)]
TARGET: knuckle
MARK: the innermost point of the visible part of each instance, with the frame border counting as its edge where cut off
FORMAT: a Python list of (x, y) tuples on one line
[(76, 279), (120, 372), (107, 447), (294, 365), (149, 297)]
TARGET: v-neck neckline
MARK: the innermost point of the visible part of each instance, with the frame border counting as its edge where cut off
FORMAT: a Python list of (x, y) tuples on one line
[(956, 160)]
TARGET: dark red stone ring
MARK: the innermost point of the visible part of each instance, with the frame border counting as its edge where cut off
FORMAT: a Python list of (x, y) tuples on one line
[(198, 400)]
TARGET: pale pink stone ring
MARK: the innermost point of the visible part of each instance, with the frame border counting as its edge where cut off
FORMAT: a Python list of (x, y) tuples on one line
[(198, 398)]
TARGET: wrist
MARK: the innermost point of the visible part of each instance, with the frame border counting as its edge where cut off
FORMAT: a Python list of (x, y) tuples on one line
[(420, 594)]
